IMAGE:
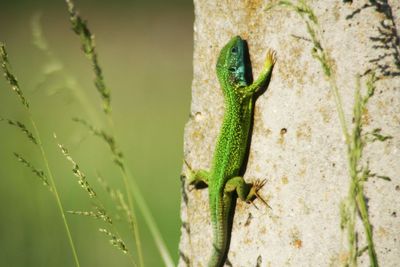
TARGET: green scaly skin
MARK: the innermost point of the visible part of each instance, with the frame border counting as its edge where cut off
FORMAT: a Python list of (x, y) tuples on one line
[(224, 180)]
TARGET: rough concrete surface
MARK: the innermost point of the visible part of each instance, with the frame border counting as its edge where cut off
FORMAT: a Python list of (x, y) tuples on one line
[(297, 142)]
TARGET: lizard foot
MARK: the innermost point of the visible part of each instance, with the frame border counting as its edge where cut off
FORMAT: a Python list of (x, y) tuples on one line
[(196, 179), (270, 59), (257, 185), (189, 176)]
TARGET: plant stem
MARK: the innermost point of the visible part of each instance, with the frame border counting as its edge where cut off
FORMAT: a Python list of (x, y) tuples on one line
[(144, 209), (351, 232), (135, 225), (130, 184), (53, 186), (362, 208), (339, 109), (100, 204), (80, 28)]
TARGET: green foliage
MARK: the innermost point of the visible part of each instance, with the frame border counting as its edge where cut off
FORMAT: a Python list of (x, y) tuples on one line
[(98, 214), (55, 88), (39, 173), (88, 46), (114, 240), (132, 191), (12, 80), (110, 141), (77, 171), (301, 8), (99, 211), (23, 129), (119, 201), (376, 135)]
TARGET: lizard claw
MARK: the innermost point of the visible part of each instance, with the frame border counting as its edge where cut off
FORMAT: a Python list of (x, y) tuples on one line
[(258, 184), (187, 164), (190, 186), (271, 58), (255, 206)]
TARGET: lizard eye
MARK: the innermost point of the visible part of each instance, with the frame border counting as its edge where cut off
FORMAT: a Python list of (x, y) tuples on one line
[(234, 50), (232, 69)]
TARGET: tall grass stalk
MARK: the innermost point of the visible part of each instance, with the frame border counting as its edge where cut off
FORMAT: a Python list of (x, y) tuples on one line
[(54, 188), (355, 141), (100, 213), (132, 190), (16, 88), (88, 46)]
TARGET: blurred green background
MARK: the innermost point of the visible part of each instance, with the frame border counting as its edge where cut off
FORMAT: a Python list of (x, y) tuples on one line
[(145, 49)]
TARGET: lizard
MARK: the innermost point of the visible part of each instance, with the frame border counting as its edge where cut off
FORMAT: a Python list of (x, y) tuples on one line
[(224, 179)]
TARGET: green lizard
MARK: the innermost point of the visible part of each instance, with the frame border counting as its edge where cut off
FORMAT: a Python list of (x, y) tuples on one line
[(224, 179)]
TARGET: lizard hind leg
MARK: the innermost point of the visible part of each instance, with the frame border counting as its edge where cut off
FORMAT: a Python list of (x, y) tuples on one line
[(198, 178), (245, 191)]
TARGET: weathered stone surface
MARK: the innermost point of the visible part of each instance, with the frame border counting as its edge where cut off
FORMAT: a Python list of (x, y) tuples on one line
[(306, 166)]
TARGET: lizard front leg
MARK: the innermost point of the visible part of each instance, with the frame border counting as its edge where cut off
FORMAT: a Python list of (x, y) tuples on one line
[(198, 177), (264, 76)]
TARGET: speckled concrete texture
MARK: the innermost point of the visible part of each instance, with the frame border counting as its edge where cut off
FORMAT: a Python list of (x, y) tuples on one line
[(297, 142)]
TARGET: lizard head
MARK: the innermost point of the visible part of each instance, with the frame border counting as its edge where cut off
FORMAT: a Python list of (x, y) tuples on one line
[(231, 64)]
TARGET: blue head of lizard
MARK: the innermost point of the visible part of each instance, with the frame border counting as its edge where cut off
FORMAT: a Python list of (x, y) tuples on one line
[(232, 63)]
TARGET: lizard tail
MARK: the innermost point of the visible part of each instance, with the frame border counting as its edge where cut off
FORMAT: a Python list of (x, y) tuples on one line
[(218, 256), (222, 232)]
